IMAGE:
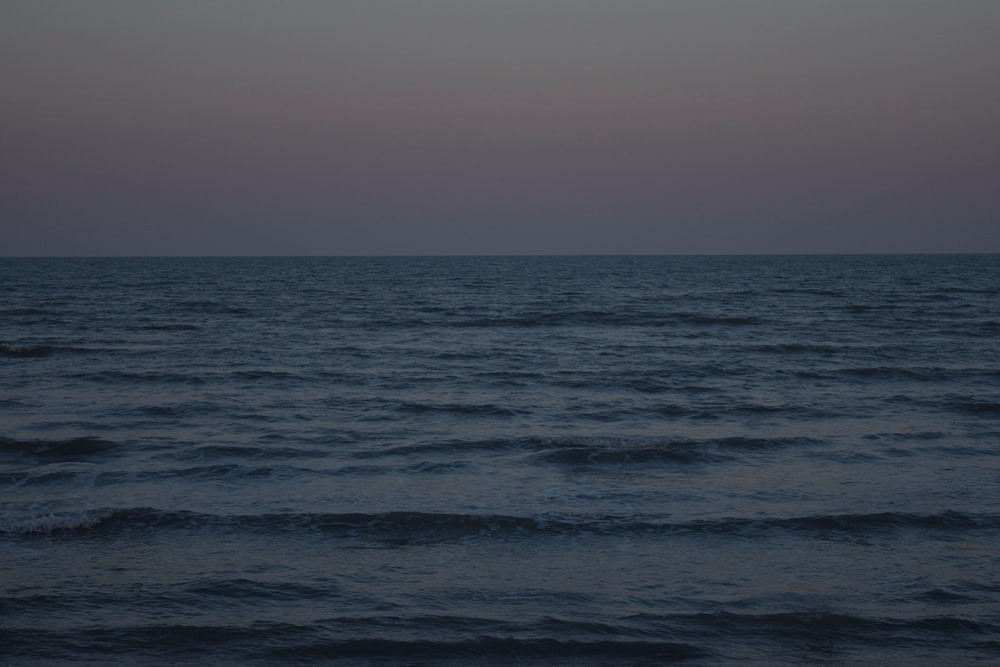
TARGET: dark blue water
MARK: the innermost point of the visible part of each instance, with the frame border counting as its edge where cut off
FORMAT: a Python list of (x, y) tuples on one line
[(524, 461)]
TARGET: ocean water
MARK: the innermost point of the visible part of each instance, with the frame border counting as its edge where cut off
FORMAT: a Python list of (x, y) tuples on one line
[(500, 461)]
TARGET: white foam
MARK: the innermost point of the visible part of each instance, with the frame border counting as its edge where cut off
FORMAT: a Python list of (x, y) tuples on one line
[(53, 521)]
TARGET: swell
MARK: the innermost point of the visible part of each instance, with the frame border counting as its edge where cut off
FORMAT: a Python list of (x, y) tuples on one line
[(208, 307), (241, 453), (505, 647), (429, 527), (985, 406), (25, 351), (284, 641), (485, 410), (646, 637), (979, 407), (83, 449), (38, 351), (546, 319), (56, 450), (596, 450), (898, 373), (167, 327), (806, 625), (145, 377)]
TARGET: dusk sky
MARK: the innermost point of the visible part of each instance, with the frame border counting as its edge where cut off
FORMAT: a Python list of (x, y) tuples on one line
[(341, 127)]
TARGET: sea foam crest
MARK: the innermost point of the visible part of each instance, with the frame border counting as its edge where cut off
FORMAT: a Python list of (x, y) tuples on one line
[(52, 521)]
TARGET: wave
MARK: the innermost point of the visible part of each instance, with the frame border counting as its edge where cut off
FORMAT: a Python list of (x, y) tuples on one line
[(569, 450), (577, 318), (29, 311), (226, 471), (176, 410), (678, 453), (450, 447), (485, 410), (548, 319), (168, 327), (54, 522), (822, 624), (208, 307), (282, 642), (237, 471), (406, 527), (731, 320), (943, 596), (982, 408), (25, 351), (240, 453), (965, 289), (811, 291), (259, 374), (643, 638), (151, 377), (243, 589), (626, 450), (51, 473), (56, 450), (865, 308), (38, 351), (13, 351), (800, 348), (510, 650)]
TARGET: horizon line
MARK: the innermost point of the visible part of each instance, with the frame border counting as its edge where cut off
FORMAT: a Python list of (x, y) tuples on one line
[(487, 255)]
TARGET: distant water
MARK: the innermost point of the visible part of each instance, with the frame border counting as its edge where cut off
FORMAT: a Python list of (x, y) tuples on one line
[(500, 461)]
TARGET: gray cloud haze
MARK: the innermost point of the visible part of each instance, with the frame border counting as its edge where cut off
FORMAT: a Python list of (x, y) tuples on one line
[(447, 126)]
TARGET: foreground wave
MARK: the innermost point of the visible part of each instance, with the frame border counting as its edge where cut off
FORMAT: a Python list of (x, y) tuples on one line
[(629, 641), (428, 526)]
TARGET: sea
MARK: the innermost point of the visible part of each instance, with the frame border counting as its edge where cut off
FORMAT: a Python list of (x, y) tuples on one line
[(704, 460)]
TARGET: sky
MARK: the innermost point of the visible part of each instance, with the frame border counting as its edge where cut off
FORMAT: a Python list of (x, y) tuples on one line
[(429, 127)]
